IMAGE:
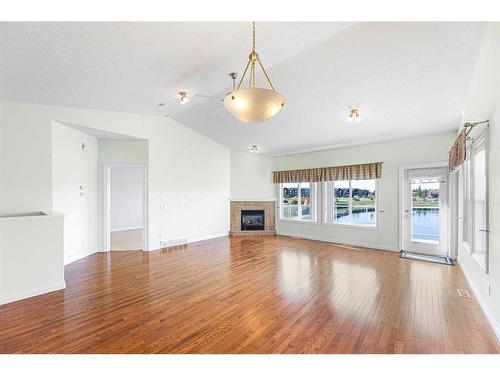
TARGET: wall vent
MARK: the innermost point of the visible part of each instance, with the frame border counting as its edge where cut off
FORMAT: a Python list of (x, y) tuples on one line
[(463, 293)]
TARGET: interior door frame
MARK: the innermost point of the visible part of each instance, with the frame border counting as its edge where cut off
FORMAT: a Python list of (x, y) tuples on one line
[(401, 205), (106, 203)]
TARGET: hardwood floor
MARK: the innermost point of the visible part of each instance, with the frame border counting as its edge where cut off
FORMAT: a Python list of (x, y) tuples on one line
[(250, 295), (127, 240)]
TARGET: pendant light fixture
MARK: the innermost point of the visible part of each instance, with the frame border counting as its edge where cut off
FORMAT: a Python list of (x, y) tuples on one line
[(253, 104)]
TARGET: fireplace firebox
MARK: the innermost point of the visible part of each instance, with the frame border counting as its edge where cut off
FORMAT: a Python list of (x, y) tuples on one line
[(252, 220)]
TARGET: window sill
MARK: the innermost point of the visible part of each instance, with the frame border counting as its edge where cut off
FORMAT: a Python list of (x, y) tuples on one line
[(300, 221), (353, 226)]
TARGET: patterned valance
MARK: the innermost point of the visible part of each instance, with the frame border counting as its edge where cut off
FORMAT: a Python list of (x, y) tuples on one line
[(457, 154), (344, 172)]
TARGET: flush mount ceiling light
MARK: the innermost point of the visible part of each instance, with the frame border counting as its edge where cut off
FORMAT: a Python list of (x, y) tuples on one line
[(184, 97), (254, 149), (354, 115), (253, 104)]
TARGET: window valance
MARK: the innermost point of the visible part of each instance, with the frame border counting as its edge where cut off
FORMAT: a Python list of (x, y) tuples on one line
[(344, 172), (457, 154)]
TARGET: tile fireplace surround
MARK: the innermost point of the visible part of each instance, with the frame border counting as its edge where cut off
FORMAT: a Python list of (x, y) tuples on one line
[(269, 217)]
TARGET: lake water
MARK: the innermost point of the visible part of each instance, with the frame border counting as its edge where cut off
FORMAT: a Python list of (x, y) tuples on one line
[(425, 221), (425, 224), (360, 215)]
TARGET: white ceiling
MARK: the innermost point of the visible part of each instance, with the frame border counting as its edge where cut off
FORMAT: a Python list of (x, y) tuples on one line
[(407, 78), (102, 134)]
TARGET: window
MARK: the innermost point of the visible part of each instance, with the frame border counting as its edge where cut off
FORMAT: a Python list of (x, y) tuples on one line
[(473, 202), (466, 204), (298, 201), (479, 203), (351, 202)]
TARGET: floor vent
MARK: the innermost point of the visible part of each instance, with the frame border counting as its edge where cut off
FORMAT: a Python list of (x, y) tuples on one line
[(174, 242), (463, 293)]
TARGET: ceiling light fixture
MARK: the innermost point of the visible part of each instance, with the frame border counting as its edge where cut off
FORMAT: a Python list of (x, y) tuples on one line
[(184, 97), (253, 104), (354, 115), (254, 149)]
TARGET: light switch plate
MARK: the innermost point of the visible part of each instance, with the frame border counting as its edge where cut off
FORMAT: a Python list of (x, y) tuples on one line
[(163, 200)]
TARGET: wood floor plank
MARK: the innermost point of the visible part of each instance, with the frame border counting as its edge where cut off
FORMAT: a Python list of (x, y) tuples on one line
[(251, 295)]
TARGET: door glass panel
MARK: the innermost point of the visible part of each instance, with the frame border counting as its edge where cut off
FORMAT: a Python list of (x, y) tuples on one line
[(425, 219)]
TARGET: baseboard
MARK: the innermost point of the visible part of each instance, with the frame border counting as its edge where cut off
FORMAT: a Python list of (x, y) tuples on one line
[(23, 294), (348, 243), (208, 237), (124, 229), (194, 239), (482, 303), (78, 257)]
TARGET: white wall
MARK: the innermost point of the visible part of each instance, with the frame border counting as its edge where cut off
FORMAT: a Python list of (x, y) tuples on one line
[(483, 102), (73, 168), (126, 198), (191, 171), (393, 154), (25, 160), (122, 151), (251, 176)]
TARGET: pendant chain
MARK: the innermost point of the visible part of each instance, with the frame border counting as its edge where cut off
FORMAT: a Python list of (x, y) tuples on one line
[(253, 49)]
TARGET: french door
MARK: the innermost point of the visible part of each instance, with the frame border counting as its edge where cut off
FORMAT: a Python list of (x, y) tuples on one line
[(425, 211)]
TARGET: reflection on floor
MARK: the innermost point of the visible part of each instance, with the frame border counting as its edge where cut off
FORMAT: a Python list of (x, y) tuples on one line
[(127, 240), (251, 295)]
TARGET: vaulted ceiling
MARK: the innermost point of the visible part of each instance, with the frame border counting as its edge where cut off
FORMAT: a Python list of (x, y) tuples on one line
[(406, 78)]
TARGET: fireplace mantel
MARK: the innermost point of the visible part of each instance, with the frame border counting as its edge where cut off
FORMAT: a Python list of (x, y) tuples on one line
[(267, 205)]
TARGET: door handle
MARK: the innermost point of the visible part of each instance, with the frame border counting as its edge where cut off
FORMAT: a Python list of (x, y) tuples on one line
[(484, 230)]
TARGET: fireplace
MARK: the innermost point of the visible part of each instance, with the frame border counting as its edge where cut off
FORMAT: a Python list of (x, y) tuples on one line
[(252, 220), (252, 217)]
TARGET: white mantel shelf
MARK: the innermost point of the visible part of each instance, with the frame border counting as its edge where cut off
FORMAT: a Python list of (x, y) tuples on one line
[(253, 200)]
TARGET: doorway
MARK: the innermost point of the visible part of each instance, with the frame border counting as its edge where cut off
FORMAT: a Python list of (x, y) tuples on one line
[(424, 228), (124, 208)]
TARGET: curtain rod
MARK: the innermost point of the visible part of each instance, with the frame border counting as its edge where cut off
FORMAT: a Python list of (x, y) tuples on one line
[(471, 125)]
